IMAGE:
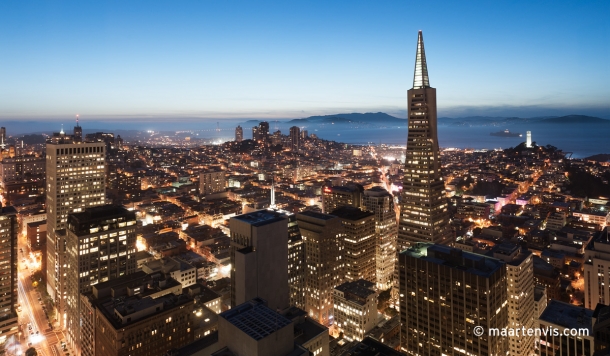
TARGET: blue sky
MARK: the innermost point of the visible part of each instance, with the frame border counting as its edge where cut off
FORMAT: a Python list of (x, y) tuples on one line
[(154, 60)]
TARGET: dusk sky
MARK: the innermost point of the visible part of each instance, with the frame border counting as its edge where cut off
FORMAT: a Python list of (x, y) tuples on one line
[(287, 59)]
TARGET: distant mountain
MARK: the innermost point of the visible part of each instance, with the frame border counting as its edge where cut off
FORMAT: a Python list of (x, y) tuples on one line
[(602, 157), (575, 119), (367, 118)]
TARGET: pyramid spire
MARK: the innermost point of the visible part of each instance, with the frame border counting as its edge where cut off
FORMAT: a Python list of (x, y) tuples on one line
[(420, 79)]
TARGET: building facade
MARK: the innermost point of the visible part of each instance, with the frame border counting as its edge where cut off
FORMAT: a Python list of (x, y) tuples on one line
[(444, 294), (338, 196), (597, 270), (75, 179), (423, 212), (355, 308), (324, 263), (359, 240), (381, 203), (259, 258), (101, 246), (9, 324), (295, 138), (212, 181), (239, 134), (520, 297)]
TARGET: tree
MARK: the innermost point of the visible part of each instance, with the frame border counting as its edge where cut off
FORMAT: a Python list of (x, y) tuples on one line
[(31, 352)]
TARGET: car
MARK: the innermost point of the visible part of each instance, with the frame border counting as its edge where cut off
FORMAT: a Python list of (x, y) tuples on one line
[(29, 327), (29, 344), (37, 332), (31, 332)]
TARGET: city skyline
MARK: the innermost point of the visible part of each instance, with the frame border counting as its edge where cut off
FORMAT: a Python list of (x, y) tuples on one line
[(271, 61)]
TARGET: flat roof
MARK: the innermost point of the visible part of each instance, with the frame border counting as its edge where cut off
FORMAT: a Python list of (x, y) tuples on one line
[(352, 213), (568, 315), (317, 215), (360, 288), (255, 319), (452, 257), (260, 217)]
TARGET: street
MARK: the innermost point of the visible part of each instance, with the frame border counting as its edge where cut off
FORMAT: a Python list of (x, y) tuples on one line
[(35, 329)]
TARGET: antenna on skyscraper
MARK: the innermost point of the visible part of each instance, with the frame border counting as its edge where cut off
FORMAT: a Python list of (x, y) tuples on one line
[(272, 192), (77, 120)]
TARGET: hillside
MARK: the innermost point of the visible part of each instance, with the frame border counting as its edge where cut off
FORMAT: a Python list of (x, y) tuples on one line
[(575, 119), (366, 118)]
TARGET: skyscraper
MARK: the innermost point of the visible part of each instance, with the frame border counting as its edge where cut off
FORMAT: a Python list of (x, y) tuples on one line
[(3, 137), (444, 294), (8, 270), (76, 174), (381, 203), (520, 297), (295, 138), (263, 131), (259, 258), (239, 134), (423, 209), (324, 265), (101, 246), (358, 238)]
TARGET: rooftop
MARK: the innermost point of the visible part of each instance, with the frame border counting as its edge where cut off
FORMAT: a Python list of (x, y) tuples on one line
[(567, 315), (255, 319), (361, 289), (351, 213), (471, 262), (317, 215), (260, 217)]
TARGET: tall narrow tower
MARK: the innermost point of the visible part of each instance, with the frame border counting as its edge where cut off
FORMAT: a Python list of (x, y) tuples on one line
[(78, 132), (423, 209)]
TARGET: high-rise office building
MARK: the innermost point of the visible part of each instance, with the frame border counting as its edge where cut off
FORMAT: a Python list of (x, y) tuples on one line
[(101, 246), (324, 262), (295, 138), (259, 258), (75, 178), (338, 196), (381, 203), (9, 230), (255, 135), (296, 262), (3, 143), (444, 294), (239, 134), (263, 131), (597, 270), (359, 240), (423, 208), (520, 297)]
